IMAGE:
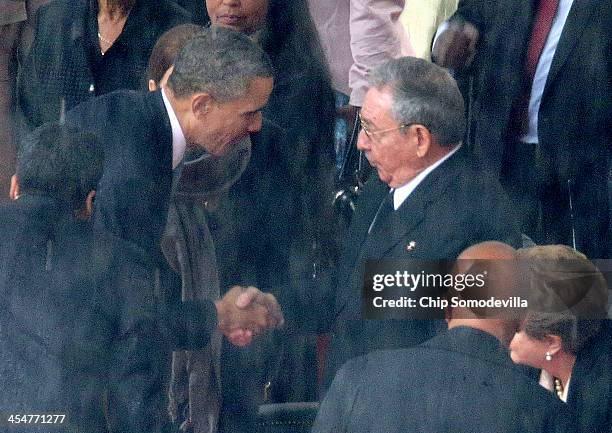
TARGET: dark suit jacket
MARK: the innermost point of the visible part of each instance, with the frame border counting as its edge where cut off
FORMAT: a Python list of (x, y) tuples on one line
[(575, 110), (64, 61), (456, 206), (576, 105), (134, 192), (590, 392), (80, 315), (460, 381)]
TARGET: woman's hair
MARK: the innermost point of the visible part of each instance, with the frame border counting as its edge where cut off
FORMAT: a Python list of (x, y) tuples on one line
[(167, 48), (571, 295)]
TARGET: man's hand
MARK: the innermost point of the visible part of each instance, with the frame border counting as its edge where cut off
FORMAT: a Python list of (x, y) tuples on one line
[(245, 312), (456, 46)]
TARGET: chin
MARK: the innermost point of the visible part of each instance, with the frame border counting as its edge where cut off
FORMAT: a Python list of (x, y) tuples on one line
[(517, 359)]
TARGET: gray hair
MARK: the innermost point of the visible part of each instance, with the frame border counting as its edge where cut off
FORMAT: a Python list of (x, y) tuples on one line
[(426, 94), (575, 292), (220, 62)]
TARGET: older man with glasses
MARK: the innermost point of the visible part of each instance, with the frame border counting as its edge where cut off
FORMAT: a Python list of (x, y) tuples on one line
[(428, 201)]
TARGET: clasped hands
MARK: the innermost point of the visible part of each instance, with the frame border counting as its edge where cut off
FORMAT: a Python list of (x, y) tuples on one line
[(245, 312)]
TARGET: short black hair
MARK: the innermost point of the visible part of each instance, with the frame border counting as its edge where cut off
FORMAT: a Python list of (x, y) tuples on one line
[(61, 162), (218, 61)]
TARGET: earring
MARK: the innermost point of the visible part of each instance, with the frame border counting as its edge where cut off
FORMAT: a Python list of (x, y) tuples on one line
[(548, 356)]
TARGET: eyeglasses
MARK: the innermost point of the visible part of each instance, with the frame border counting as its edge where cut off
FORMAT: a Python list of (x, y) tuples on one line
[(371, 134)]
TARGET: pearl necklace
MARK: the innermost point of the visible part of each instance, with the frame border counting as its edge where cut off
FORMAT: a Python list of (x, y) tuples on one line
[(559, 388)]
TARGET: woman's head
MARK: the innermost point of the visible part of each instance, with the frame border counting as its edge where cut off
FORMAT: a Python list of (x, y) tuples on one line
[(571, 298), (165, 51), (246, 16)]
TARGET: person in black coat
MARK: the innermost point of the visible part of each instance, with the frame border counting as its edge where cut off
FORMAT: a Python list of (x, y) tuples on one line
[(77, 308), (87, 48), (438, 199), (461, 381), (543, 132), (81, 310), (570, 342)]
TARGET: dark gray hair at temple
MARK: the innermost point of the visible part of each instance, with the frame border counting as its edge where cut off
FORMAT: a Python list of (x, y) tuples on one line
[(61, 162), (220, 62), (426, 94)]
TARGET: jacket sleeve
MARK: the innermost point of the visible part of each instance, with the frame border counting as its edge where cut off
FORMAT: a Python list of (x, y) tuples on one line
[(145, 331)]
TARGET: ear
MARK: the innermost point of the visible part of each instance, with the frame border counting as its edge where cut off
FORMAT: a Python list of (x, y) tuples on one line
[(14, 190), (152, 86), (201, 104), (554, 344), (89, 202), (424, 140)]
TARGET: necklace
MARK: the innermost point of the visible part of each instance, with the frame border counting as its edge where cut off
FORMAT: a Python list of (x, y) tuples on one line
[(106, 41), (559, 388), (103, 39)]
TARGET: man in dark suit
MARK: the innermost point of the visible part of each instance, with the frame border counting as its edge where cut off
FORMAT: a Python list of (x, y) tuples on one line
[(213, 100), (458, 382), (440, 202), (79, 308), (542, 103)]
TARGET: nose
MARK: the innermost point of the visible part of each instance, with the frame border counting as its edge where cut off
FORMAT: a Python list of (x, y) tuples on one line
[(256, 123), (363, 142)]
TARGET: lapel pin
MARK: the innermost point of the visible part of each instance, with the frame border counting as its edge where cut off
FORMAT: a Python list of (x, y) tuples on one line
[(411, 246)]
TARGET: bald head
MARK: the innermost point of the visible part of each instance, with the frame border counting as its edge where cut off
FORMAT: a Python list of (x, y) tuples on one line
[(499, 262), (490, 250)]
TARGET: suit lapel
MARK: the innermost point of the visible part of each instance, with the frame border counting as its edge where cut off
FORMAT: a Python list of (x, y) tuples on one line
[(577, 21), (403, 221), (410, 214)]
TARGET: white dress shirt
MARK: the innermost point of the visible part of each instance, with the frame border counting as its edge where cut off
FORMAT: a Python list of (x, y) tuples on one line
[(541, 73), (179, 144), (401, 194), (542, 69), (548, 382)]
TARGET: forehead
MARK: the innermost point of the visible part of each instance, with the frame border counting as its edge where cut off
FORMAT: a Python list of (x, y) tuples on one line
[(377, 106)]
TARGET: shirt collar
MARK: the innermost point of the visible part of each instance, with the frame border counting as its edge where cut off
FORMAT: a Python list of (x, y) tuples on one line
[(179, 144), (402, 193), (548, 382)]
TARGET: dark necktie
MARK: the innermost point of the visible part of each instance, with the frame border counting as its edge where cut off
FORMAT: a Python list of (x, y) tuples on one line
[(542, 23), (385, 210)]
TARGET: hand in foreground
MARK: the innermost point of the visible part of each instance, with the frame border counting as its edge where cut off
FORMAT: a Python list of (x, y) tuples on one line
[(245, 312), (456, 46)]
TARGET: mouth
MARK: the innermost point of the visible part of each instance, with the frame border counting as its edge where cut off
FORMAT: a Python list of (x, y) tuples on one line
[(229, 20)]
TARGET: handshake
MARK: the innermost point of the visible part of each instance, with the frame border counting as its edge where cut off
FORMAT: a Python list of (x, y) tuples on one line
[(245, 312)]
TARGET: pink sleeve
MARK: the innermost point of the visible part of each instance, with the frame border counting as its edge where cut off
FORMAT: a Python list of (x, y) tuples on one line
[(376, 36)]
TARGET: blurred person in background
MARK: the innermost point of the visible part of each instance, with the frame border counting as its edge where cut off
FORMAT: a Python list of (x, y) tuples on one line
[(571, 340), (541, 103), (421, 19), (16, 25), (357, 36), (87, 48)]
